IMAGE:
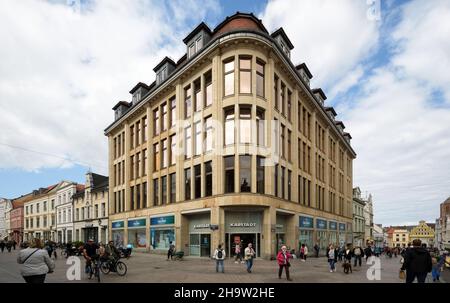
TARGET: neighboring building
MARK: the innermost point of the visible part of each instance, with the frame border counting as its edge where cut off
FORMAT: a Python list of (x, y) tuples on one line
[(3, 207), (400, 238), (40, 214), (358, 218), (17, 218), (444, 222), (229, 144), (7, 218), (423, 232), (438, 234), (368, 220), (64, 211), (91, 209), (378, 235)]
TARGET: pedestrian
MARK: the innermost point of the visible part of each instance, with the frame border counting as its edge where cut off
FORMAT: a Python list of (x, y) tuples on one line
[(49, 249), (219, 256), (332, 257), (249, 255), (303, 252), (417, 263), (237, 252), (436, 268), (171, 251), (368, 252), (14, 244), (283, 262), (341, 253), (35, 263), (358, 253), (2, 245), (316, 250), (9, 246)]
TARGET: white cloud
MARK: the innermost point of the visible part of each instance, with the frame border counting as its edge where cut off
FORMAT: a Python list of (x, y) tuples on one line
[(62, 71), (332, 37)]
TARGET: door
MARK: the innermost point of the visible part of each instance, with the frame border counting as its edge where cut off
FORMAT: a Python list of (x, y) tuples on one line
[(205, 245), (280, 242), (244, 239)]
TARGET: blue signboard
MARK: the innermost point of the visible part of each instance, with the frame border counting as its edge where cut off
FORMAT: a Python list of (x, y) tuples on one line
[(117, 224), (136, 223), (342, 226), (162, 220), (321, 224), (332, 225), (306, 222)]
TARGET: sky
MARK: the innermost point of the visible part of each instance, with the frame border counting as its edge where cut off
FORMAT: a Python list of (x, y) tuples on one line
[(384, 66)]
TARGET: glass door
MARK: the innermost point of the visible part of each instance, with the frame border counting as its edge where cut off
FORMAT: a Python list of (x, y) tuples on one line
[(194, 245), (205, 245)]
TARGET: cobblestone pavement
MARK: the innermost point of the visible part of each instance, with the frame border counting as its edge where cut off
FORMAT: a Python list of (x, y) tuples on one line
[(151, 268)]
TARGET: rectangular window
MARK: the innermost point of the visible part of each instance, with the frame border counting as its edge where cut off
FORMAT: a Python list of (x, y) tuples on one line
[(208, 179), (187, 142), (289, 105), (119, 148), (164, 116), (138, 164), (275, 91), (198, 95), (164, 157), (197, 139), (156, 159), (289, 197), (138, 133), (228, 68), (198, 181), (208, 89), (145, 129), (229, 174), (283, 178), (208, 134), (282, 142), (132, 197), (144, 163), (260, 133), (164, 190), (260, 78), (198, 44), (144, 194), (173, 142), (191, 50), (173, 188), (173, 111), (245, 75), (156, 122), (45, 205), (282, 105), (132, 136), (260, 165), (156, 192), (289, 146), (245, 173), (131, 167), (245, 125), (187, 102), (275, 181), (138, 196), (229, 127), (187, 184)]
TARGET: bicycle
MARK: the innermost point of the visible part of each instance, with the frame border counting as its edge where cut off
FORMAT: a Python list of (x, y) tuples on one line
[(94, 269), (115, 266)]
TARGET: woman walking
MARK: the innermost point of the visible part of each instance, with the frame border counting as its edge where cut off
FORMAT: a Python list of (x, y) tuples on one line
[(283, 262), (35, 263), (332, 257)]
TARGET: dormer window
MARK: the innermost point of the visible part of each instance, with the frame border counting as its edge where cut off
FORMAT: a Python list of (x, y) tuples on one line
[(136, 96), (161, 75), (195, 46)]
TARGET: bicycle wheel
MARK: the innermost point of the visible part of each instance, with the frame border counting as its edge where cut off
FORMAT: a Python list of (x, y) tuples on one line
[(121, 268), (104, 267), (97, 272), (91, 272)]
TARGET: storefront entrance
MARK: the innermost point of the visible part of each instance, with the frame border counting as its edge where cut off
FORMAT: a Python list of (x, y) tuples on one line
[(200, 245), (244, 239)]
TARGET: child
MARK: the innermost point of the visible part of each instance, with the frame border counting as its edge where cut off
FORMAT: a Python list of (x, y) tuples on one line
[(436, 269)]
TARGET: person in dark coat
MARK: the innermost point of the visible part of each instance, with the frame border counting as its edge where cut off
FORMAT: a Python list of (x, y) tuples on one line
[(2, 246), (9, 246), (417, 263), (316, 250)]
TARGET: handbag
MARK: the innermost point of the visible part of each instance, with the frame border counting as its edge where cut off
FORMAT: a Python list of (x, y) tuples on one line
[(402, 275)]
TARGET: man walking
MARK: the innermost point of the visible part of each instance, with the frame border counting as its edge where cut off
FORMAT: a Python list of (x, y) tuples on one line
[(2, 246), (417, 263), (283, 262), (249, 255), (219, 256), (171, 251), (358, 253), (316, 250)]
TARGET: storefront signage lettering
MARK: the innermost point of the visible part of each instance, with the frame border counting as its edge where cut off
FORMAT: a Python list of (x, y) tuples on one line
[(332, 225), (243, 224), (117, 224), (137, 223), (162, 220), (200, 226), (321, 224), (279, 226), (306, 222), (341, 226)]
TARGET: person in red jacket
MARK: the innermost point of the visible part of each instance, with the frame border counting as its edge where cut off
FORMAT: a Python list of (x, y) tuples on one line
[(283, 262)]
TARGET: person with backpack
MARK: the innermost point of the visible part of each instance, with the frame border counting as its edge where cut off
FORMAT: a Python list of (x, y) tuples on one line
[(249, 255), (219, 256), (358, 253), (35, 263), (283, 262)]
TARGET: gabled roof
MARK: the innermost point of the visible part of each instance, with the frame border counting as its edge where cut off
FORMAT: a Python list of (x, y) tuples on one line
[(201, 26), (163, 61), (320, 92), (281, 32), (124, 103), (304, 67), (140, 84)]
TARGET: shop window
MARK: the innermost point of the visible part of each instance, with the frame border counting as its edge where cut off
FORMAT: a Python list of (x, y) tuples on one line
[(208, 179), (229, 174), (198, 181), (245, 165)]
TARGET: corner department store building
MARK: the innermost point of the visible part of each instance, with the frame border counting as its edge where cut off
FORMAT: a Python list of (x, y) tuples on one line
[(229, 144)]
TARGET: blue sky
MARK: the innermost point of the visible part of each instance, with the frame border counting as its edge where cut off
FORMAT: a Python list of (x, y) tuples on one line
[(387, 78)]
